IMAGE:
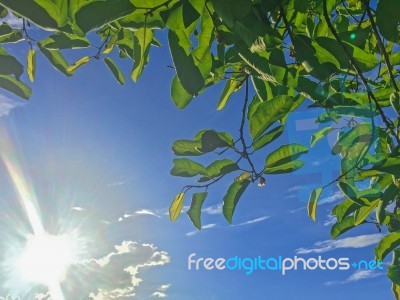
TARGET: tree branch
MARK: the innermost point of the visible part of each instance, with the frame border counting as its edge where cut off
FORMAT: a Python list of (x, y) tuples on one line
[(381, 46), (388, 122)]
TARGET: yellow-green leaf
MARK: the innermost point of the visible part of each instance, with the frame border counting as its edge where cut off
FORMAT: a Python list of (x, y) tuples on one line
[(31, 64), (84, 60), (176, 207), (312, 203)]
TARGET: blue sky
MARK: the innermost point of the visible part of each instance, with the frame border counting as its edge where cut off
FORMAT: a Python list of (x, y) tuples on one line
[(98, 156)]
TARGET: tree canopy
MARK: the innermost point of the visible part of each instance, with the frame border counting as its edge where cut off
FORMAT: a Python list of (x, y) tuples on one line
[(339, 56)]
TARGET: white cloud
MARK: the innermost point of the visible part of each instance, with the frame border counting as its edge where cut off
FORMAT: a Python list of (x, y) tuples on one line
[(297, 188), (334, 197), (159, 295), (331, 219), (356, 276), (147, 212), (297, 209), (257, 220), (205, 227), (117, 274), (212, 225), (213, 209), (360, 241), (7, 105)]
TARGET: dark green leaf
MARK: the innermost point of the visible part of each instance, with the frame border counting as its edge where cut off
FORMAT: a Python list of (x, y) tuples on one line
[(188, 73), (57, 60), (105, 11), (187, 168), (232, 197), (387, 244), (195, 208), (64, 41), (269, 137), (15, 86), (268, 112), (388, 19), (115, 70)]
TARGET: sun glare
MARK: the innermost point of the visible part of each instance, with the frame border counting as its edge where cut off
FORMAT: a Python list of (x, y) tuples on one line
[(46, 258)]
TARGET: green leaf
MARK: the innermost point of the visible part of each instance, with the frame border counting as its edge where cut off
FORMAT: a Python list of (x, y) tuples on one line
[(388, 19), (219, 168), (316, 60), (188, 73), (285, 154), (211, 140), (352, 193), (187, 168), (9, 65), (115, 70), (285, 168), (230, 87), (360, 133), (365, 61), (31, 64), (344, 209), (234, 11), (363, 212), (341, 227), (390, 165), (269, 137), (176, 207), (95, 14), (184, 14), (312, 203), (232, 197), (64, 41), (179, 95), (56, 59), (387, 244), (195, 208), (187, 148), (15, 86), (79, 63), (268, 112), (43, 13), (141, 46), (320, 134), (394, 272)]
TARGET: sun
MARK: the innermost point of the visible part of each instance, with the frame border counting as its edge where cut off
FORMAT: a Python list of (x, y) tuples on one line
[(46, 258)]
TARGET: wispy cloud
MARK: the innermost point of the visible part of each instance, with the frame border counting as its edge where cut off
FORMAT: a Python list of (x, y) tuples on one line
[(213, 209), (160, 293), (331, 219), (7, 105), (120, 182), (205, 227), (297, 188), (360, 241), (297, 210), (257, 220), (356, 276), (213, 226), (334, 197)]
